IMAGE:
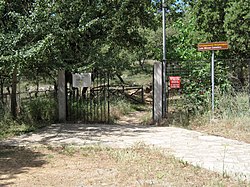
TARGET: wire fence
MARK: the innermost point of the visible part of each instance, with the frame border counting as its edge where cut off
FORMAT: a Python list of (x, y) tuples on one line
[(232, 77)]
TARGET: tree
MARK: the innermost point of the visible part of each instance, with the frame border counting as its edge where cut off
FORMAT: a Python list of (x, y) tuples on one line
[(237, 27), (48, 34)]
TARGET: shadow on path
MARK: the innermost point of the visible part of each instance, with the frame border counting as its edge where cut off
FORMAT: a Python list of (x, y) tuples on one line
[(78, 134), (17, 160)]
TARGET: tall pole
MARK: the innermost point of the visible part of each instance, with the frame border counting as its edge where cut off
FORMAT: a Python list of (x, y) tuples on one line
[(212, 80), (164, 101)]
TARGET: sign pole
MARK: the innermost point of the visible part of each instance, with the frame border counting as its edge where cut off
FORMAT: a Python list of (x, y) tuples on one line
[(212, 80), (212, 46)]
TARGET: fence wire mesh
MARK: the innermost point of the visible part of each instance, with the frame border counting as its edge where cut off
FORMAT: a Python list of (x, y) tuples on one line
[(194, 95)]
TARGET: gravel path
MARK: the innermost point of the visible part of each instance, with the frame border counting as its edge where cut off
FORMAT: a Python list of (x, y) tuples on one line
[(215, 153)]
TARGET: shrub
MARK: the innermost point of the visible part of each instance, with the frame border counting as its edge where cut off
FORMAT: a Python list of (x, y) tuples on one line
[(40, 109)]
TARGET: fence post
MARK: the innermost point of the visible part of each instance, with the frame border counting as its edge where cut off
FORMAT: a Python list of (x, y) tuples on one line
[(158, 88), (61, 96)]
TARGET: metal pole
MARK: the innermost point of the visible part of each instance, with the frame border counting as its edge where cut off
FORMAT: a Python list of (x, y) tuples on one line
[(164, 29), (212, 80), (164, 102)]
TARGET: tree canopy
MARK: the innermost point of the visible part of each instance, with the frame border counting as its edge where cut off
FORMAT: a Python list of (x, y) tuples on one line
[(110, 34)]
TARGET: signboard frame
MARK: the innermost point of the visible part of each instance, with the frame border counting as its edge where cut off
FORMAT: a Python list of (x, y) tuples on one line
[(213, 46)]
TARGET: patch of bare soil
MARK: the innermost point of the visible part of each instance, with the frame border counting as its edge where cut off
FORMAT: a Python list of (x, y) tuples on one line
[(96, 166)]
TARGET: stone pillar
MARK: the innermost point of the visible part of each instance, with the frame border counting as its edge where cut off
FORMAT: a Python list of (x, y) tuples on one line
[(61, 96), (158, 88)]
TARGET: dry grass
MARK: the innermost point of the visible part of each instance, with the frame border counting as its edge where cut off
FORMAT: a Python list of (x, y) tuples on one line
[(231, 118), (97, 166), (237, 128)]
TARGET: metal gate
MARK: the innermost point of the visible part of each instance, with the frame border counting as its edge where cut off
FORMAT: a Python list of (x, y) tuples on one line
[(89, 104)]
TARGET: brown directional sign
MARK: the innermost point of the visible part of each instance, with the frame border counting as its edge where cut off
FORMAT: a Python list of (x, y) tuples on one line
[(212, 46)]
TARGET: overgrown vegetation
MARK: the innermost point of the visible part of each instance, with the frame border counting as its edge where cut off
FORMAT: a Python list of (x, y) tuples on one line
[(120, 107), (230, 119), (36, 113), (40, 109)]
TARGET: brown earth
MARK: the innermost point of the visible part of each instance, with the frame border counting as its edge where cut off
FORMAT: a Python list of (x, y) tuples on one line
[(95, 166)]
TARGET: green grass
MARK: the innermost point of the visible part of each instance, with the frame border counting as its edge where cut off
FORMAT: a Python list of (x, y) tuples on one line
[(120, 107), (10, 127), (231, 118), (232, 105), (137, 79)]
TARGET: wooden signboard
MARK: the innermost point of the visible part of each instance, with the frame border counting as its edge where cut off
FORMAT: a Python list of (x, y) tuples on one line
[(212, 46)]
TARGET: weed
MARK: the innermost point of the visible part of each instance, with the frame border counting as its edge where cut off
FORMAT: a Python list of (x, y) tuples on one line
[(224, 172), (147, 119), (10, 127), (232, 105), (40, 109), (50, 156), (120, 108), (124, 155), (69, 150)]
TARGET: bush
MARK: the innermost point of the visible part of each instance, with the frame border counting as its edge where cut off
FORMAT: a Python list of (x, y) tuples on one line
[(40, 109), (197, 85)]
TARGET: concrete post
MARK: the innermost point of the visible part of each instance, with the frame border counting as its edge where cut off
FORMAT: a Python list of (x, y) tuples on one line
[(157, 108), (61, 96)]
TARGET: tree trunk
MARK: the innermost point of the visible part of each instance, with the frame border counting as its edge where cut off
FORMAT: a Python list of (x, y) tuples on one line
[(13, 93)]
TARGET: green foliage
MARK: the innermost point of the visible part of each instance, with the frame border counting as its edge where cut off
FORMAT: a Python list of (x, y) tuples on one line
[(70, 33), (196, 83), (209, 18), (237, 27), (10, 127), (40, 109), (185, 40), (196, 87), (219, 20)]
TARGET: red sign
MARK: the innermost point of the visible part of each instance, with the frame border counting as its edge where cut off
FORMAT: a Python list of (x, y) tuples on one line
[(212, 46), (175, 81)]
